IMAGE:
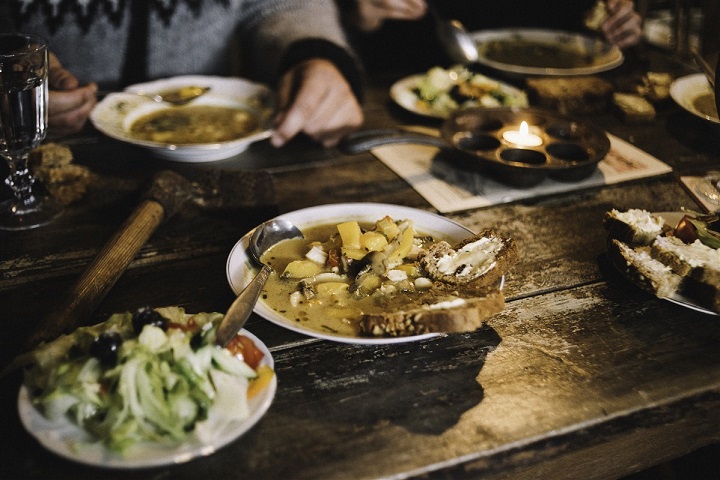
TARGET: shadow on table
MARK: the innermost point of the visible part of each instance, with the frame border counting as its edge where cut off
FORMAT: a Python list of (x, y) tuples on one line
[(422, 386)]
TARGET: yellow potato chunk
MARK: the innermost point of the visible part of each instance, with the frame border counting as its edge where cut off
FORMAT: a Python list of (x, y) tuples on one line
[(354, 253), (301, 269), (350, 234), (328, 289), (411, 269), (370, 283), (387, 227), (373, 241), (265, 374), (405, 246)]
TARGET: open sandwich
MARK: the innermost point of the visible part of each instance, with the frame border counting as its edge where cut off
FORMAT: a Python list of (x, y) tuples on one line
[(666, 260), (465, 291)]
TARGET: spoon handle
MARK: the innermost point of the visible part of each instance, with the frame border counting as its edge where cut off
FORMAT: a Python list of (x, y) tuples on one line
[(241, 308)]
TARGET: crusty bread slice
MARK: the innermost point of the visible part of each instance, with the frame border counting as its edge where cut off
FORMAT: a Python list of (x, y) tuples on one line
[(475, 264), (644, 271), (465, 288), (695, 259), (451, 315), (634, 226)]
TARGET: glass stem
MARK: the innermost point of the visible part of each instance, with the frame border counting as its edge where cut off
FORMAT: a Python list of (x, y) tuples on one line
[(21, 181)]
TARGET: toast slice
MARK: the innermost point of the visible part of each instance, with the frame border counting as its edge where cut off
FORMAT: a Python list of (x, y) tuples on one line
[(450, 315), (474, 265), (465, 290), (634, 226), (644, 271)]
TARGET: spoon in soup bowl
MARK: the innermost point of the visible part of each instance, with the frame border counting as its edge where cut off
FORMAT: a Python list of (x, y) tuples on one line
[(262, 238), (178, 96)]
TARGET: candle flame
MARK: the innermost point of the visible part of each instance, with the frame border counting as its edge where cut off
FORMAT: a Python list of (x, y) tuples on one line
[(524, 129)]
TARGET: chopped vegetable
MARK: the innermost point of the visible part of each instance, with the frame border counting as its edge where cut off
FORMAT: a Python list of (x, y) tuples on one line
[(156, 386)]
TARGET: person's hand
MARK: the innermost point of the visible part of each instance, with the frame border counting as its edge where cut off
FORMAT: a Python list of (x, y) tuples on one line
[(314, 98), (69, 104), (371, 14), (624, 25)]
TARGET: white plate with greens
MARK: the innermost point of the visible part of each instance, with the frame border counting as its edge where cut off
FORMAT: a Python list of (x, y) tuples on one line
[(435, 93), (68, 440)]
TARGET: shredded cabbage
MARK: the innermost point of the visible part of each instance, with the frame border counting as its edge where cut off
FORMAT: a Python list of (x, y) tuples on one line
[(160, 390)]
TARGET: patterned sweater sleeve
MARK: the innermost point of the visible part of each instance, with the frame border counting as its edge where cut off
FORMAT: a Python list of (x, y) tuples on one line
[(283, 33)]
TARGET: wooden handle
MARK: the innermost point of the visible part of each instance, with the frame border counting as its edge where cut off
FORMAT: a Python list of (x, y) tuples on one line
[(113, 259)]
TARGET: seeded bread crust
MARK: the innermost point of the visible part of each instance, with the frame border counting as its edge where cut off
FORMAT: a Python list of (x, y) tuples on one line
[(630, 233), (647, 273), (436, 312), (464, 318), (505, 258)]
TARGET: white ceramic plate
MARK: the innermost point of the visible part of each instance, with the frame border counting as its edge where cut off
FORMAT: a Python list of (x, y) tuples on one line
[(685, 90), (402, 92), (239, 270), (604, 56), (114, 115), (58, 437)]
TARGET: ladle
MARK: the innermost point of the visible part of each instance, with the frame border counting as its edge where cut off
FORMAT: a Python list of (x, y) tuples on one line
[(453, 36), (264, 237)]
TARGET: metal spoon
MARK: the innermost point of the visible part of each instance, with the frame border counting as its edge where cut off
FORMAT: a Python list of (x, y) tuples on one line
[(264, 237), (452, 34), (179, 96)]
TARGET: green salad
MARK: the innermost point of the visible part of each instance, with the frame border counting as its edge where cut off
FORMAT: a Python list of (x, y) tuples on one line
[(154, 375), (446, 90)]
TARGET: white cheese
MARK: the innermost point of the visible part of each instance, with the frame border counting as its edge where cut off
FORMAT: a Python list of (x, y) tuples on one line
[(640, 219), (472, 260), (458, 302)]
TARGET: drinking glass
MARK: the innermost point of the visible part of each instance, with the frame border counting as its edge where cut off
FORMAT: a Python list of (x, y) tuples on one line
[(23, 124)]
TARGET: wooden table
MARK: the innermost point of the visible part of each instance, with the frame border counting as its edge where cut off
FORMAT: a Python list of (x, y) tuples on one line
[(581, 376)]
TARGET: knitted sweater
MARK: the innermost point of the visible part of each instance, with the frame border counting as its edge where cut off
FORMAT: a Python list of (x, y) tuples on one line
[(117, 42)]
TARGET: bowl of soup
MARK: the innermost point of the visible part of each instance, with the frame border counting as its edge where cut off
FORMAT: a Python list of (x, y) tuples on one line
[(220, 124)]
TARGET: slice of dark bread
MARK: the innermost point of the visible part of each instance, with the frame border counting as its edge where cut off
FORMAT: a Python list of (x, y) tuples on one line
[(451, 315), (634, 226), (475, 264), (465, 291), (644, 271)]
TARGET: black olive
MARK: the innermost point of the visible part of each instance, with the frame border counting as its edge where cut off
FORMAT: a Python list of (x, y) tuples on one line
[(196, 340), (105, 347), (147, 316)]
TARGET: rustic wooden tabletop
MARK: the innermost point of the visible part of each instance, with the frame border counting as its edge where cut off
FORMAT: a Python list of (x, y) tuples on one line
[(581, 376)]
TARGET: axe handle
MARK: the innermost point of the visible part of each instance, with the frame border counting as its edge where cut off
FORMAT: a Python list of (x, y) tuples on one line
[(102, 273), (168, 192)]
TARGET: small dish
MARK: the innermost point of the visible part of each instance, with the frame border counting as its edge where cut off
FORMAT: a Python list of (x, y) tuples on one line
[(239, 271), (59, 437), (688, 90), (545, 52), (115, 113), (403, 93)]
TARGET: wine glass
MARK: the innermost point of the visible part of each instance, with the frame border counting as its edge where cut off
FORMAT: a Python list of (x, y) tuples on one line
[(23, 124)]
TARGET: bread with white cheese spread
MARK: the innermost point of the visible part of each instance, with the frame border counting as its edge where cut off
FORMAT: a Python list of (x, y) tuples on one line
[(465, 292)]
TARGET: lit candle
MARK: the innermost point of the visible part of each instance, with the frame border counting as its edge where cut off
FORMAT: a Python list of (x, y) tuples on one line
[(523, 137)]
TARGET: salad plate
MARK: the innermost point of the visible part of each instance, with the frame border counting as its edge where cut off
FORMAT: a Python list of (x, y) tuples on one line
[(545, 52), (114, 115), (240, 271), (406, 92), (68, 440), (694, 94)]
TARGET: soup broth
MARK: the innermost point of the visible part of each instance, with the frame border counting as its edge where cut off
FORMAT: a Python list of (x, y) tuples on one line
[(705, 104), (195, 125), (333, 310), (527, 53)]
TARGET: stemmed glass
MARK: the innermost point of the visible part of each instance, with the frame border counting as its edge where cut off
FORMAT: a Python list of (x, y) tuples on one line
[(23, 124)]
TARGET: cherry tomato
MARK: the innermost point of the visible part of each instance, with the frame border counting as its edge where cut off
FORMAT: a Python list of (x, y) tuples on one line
[(242, 345)]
